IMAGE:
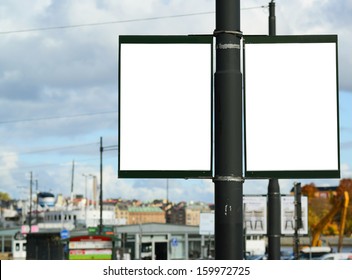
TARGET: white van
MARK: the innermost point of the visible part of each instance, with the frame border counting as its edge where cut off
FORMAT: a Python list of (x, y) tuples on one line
[(337, 256)]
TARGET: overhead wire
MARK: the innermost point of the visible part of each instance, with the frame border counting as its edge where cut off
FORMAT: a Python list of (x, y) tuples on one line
[(116, 21), (57, 117), (59, 148), (109, 148), (47, 150), (53, 149)]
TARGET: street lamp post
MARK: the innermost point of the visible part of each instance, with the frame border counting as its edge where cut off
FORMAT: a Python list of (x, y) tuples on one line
[(101, 150), (86, 176), (101, 187), (24, 206), (85, 195), (85, 192), (30, 202)]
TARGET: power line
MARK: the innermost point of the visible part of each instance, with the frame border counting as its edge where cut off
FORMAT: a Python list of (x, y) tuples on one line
[(39, 165), (52, 149), (58, 148), (57, 117), (48, 149), (115, 22), (102, 23)]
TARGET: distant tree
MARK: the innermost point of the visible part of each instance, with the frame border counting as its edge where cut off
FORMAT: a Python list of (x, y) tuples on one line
[(4, 196), (309, 190), (345, 185)]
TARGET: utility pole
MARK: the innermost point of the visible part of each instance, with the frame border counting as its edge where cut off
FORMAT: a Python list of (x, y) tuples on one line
[(101, 186), (272, 19), (298, 218), (95, 200), (167, 191), (36, 204), (101, 150), (30, 202), (228, 177), (72, 180), (86, 196), (274, 197)]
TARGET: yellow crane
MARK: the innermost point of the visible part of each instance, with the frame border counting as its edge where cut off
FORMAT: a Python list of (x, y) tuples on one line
[(340, 205)]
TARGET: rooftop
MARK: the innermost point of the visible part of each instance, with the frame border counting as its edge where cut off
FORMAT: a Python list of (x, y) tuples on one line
[(144, 209)]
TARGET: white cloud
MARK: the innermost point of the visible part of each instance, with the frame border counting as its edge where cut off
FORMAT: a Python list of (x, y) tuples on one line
[(8, 166), (346, 171)]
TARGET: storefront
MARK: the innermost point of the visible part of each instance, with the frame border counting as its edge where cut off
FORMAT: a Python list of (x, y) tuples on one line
[(163, 241)]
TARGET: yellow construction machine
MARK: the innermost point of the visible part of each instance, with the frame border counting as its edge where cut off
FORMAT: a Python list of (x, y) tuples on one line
[(341, 205)]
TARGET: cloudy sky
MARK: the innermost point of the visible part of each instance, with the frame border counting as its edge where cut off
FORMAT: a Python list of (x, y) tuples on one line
[(58, 85)]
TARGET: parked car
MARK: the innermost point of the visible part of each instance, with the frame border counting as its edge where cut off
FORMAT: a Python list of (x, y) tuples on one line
[(287, 255), (256, 257), (314, 253), (337, 256)]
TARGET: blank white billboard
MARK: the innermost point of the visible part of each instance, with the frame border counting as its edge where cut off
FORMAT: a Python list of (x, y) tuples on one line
[(165, 106), (291, 107)]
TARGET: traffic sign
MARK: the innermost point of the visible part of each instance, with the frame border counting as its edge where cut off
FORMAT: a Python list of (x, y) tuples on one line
[(174, 242), (64, 234)]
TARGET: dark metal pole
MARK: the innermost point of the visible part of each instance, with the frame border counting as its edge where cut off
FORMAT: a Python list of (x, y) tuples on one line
[(36, 205), (228, 133), (272, 19), (101, 186), (30, 202), (274, 197), (298, 218), (274, 220), (73, 176)]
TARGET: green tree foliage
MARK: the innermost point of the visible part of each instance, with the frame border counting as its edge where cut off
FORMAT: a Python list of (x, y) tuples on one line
[(4, 196)]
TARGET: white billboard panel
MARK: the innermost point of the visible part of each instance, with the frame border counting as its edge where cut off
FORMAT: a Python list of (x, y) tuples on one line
[(165, 106), (288, 215), (206, 225), (255, 215), (291, 107)]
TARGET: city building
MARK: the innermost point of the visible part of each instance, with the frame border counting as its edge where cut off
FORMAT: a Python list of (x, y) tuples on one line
[(187, 214), (145, 214)]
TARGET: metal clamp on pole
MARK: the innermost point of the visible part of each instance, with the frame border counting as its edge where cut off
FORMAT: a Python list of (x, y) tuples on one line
[(228, 179), (222, 46), (239, 34)]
